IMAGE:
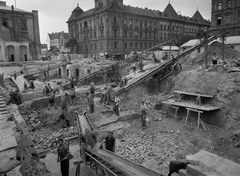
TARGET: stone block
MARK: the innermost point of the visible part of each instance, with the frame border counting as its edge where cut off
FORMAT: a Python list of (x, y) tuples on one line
[(201, 171), (219, 164)]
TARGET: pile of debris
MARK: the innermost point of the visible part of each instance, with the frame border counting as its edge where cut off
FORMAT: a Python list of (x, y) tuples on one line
[(159, 148)]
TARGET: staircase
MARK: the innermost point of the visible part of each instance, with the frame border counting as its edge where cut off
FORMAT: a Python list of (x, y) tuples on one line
[(3, 108)]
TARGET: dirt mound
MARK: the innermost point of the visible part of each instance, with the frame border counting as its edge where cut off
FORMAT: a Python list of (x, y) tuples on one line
[(225, 87), (230, 55)]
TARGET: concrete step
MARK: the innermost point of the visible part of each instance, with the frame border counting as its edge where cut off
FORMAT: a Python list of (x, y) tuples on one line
[(183, 173), (2, 102), (2, 105), (3, 109), (201, 171)]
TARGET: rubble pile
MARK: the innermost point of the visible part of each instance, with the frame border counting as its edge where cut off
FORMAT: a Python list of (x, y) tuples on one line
[(143, 148)]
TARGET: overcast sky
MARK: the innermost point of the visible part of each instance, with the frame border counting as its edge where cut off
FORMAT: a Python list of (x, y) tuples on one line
[(53, 14)]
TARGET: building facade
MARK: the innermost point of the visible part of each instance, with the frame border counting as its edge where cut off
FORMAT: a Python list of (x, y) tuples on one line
[(225, 17), (112, 27), (58, 39), (19, 34)]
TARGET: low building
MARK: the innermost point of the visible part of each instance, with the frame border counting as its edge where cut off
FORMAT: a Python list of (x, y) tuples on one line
[(233, 42), (19, 34), (59, 40)]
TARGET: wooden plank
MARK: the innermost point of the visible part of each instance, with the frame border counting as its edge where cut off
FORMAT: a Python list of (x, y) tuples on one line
[(195, 110), (193, 94), (191, 105), (7, 139)]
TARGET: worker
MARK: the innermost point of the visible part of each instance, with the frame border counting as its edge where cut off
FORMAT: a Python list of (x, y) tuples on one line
[(15, 75), (72, 82), (73, 97), (49, 87), (122, 82), (32, 86), (176, 166), (155, 59), (134, 68), (108, 95), (141, 65), (52, 99), (63, 153), (116, 105), (110, 142), (102, 91), (25, 85), (214, 61), (64, 104), (92, 88), (90, 102), (143, 109)]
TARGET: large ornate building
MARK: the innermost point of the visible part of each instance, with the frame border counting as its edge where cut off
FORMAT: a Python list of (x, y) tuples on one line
[(112, 27), (226, 17), (19, 34)]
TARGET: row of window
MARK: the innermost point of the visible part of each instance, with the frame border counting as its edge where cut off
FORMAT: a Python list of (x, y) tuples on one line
[(227, 19), (22, 22), (219, 6)]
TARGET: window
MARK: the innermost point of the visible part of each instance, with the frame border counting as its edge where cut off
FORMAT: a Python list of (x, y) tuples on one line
[(228, 19), (219, 6), (115, 45), (232, 47), (23, 24), (229, 4), (145, 45), (101, 20), (115, 20), (161, 26), (85, 24), (102, 45), (141, 34), (219, 21), (95, 34), (5, 22), (125, 33), (101, 31), (150, 35), (125, 44), (140, 45), (130, 44), (95, 46), (130, 21), (91, 46), (145, 23), (155, 35), (136, 45), (150, 25), (115, 32), (125, 21), (80, 26), (136, 23), (168, 27), (155, 25), (140, 23), (150, 45), (146, 35), (165, 27), (130, 33), (136, 34)]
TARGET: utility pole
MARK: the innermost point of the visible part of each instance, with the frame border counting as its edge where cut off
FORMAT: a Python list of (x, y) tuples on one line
[(223, 44)]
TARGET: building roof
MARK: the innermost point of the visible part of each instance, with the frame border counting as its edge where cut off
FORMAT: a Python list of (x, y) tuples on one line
[(3, 6), (171, 12), (173, 48), (199, 17), (168, 13), (57, 35), (232, 40), (191, 43)]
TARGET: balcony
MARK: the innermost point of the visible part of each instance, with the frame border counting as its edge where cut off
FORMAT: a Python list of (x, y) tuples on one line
[(85, 28)]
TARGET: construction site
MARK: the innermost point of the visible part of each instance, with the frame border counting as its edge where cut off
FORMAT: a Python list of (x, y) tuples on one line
[(192, 115)]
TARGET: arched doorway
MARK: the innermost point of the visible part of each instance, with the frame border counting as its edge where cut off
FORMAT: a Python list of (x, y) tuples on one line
[(23, 53), (59, 72), (11, 56), (77, 73)]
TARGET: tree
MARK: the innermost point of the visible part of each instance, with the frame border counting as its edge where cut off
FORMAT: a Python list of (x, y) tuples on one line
[(203, 36), (71, 44)]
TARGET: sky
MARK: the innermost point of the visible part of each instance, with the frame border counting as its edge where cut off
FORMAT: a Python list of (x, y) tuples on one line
[(53, 14)]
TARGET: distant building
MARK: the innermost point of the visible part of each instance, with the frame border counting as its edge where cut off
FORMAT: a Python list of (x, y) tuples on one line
[(19, 34), (44, 50), (112, 27), (225, 17), (58, 39)]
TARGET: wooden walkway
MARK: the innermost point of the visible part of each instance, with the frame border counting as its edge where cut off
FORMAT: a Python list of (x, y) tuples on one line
[(191, 105)]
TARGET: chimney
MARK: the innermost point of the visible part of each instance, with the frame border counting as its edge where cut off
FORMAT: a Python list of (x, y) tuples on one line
[(2, 3)]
